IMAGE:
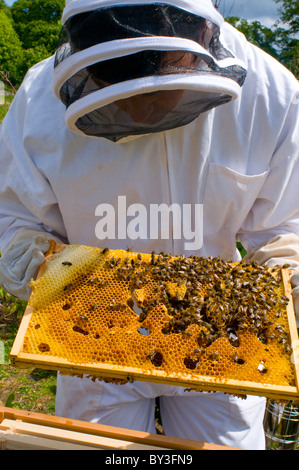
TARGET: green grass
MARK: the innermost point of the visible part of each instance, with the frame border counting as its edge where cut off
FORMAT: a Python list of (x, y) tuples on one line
[(5, 107), (24, 389)]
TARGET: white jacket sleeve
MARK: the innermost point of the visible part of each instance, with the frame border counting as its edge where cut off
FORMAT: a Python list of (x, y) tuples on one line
[(24, 238), (26, 196), (29, 212)]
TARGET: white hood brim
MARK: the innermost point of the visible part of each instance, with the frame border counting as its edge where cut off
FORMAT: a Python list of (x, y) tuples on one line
[(203, 8)]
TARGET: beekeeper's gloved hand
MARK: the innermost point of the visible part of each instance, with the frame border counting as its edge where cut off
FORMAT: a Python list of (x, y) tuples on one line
[(21, 260), (283, 249)]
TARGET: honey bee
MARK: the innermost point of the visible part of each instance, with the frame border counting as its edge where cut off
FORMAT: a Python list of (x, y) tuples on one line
[(238, 360), (143, 316), (117, 305), (287, 348), (156, 358), (83, 317), (214, 355), (67, 287), (66, 307), (262, 369), (92, 280)]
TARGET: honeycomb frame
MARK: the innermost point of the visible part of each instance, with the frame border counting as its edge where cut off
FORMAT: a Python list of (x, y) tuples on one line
[(145, 313)]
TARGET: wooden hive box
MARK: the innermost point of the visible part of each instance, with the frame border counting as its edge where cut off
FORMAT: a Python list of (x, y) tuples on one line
[(26, 430)]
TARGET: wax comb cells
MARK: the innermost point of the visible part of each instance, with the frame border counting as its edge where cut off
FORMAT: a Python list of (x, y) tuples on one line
[(184, 316)]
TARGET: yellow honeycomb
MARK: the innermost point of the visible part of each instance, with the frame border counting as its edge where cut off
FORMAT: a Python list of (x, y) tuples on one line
[(184, 316)]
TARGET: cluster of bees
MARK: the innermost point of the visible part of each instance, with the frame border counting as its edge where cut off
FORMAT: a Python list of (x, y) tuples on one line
[(223, 298), (159, 313)]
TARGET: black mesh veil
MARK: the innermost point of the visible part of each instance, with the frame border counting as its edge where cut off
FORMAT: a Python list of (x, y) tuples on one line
[(141, 68)]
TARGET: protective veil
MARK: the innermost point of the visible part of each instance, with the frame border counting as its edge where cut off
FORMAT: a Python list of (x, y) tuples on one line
[(168, 52)]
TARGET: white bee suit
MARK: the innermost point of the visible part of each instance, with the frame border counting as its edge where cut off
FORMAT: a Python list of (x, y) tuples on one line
[(239, 160)]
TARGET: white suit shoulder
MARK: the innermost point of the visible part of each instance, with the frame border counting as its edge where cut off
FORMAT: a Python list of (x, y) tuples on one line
[(266, 114), (35, 107), (262, 67)]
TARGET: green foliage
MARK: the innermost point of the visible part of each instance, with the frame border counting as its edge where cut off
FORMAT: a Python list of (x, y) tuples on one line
[(278, 41), (33, 55), (4, 7), (37, 26), (257, 34), (11, 312), (241, 249), (39, 33), (5, 107), (27, 389), (289, 55), (288, 36), (37, 23), (30, 31), (27, 11), (10, 399), (289, 15), (11, 52)]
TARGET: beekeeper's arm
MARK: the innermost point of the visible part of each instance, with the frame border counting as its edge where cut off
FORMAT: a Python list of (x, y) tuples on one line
[(29, 213), (270, 233)]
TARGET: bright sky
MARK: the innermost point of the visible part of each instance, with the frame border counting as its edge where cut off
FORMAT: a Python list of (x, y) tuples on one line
[(264, 11)]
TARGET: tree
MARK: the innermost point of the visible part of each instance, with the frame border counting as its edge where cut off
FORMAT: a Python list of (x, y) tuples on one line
[(11, 52), (5, 8), (289, 15), (38, 25), (26, 11), (39, 33), (256, 33), (282, 43), (288, 37)]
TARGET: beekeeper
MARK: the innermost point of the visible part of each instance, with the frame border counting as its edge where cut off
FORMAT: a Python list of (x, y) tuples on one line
[(152, 103)]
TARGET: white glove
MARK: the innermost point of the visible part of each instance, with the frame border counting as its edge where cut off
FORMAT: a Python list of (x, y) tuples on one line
[(283, 249), (21, 260)]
